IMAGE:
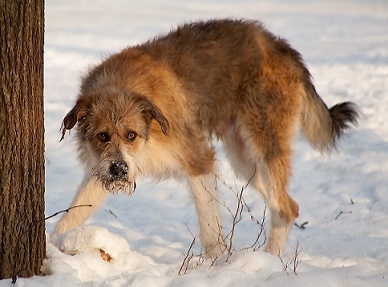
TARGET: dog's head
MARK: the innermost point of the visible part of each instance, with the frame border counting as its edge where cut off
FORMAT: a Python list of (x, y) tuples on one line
[(113, 128)]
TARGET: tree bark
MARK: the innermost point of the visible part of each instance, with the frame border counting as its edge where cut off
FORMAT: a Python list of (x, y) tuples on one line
[(22, 174)]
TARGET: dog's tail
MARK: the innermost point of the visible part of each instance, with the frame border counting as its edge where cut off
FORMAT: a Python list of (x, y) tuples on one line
[(322, 126)]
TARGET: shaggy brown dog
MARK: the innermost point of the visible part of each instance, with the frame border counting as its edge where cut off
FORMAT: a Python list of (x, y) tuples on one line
[(154, 110)]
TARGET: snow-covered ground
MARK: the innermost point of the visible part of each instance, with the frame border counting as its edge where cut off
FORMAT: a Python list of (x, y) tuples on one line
[(343, 198)]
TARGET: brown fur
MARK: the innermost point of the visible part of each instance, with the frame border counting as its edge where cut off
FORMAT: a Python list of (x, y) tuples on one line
[(224, 79)]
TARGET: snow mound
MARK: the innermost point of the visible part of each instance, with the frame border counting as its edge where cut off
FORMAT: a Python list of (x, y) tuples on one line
[(90, 239)]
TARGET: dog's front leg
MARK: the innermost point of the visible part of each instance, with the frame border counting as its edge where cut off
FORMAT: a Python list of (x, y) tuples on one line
[(91, 192), (204, 193)]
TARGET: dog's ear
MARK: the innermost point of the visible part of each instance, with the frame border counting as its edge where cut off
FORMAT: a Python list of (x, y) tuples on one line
[(152, 112), (75, 114)]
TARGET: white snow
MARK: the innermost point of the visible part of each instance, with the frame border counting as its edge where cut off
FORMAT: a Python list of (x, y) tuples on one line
[(343, 198)]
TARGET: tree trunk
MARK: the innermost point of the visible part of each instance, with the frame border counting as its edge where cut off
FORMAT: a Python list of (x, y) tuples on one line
[(22, 228)]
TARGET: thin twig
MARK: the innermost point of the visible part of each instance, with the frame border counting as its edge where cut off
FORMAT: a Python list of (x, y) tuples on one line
[(293, 262), (111, 212), (237, 216), (65, 210), (301, 226), (236, 219), (255, 246), (186, 261), (342, 212)]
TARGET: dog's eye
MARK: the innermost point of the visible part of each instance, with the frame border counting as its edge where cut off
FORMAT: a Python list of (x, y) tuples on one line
[(103, 137), (131, 136)]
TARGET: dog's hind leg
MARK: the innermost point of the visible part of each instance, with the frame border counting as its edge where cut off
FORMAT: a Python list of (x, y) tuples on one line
[(283, 209), (269, 176), (89, 197), (204, 191)]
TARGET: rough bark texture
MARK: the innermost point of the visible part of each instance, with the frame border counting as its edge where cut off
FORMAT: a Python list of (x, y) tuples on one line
[(22, 229)]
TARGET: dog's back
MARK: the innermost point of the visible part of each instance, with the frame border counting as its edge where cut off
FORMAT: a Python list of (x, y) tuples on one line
[(219, 63)]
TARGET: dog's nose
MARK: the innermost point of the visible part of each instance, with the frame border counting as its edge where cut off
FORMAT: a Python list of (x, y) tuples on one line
[(119, 170)]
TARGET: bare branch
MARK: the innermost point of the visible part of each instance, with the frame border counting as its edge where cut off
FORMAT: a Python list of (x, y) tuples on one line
[(301, 226), (236, 219), (111, 212), (256, 245), (295, 260), (237, 216), (186, 261), (65, 210), (342, 212), (292, 263)]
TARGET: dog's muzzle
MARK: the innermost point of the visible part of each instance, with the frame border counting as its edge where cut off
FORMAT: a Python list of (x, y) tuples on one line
[(118, 178)]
